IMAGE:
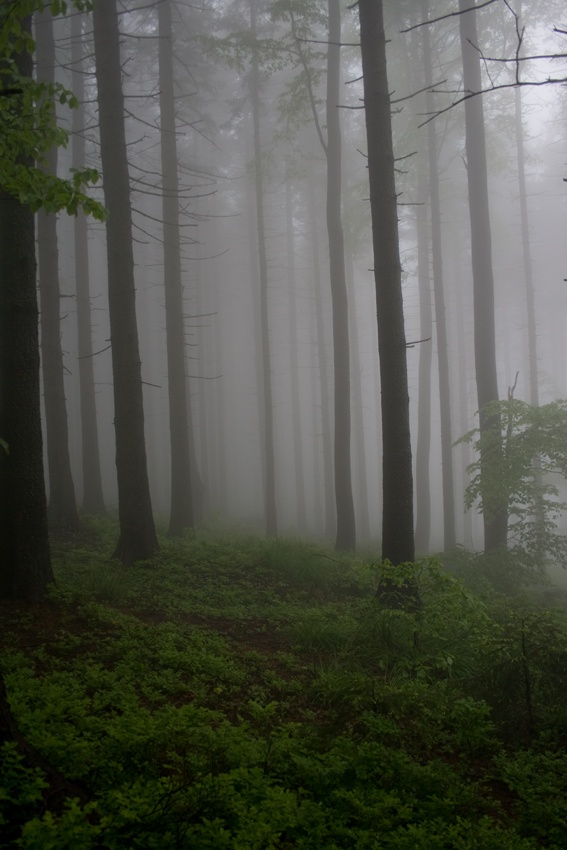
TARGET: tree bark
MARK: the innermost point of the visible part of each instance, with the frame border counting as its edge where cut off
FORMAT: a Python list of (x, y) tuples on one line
[(397, 520), (138, 538), (495, 521), (93, 499), (62, 508), (181, 512), (25, 565)]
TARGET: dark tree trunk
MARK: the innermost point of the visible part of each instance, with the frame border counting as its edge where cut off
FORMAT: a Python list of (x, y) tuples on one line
[(25, 565), (495, 521), (268, 440), (62, 509), (93, 499), (346, 528), (294, 357), (397, 521), (138, 538), (181, 515), (449, 533)]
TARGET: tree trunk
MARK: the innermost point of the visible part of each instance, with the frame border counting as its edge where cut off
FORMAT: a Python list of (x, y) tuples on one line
[(495, 521), (363, 513), (449, 533), (93, 499), (62, 510), (423, 447), (397, 520), (346, 528), (325, 412), (531, 311), (270, 486), (299, 462), (25, 565), (138, 538), (181, 513)]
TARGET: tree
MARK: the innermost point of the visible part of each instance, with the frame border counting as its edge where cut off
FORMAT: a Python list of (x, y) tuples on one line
[(28, 130), (439, 298), (526, 432), (93, 499), (181, 512), (137, 538), (495, 522), (346, 527), (397, 521), (294, 356), (332, 147), (62, 508), (268, 411), (25, 566)]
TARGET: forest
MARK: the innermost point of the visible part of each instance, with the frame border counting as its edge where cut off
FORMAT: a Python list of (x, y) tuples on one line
[(283, 424)]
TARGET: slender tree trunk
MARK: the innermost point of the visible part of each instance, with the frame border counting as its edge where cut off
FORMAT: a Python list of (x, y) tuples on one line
[(531, 309), (423, 447), (257, 322), (495, 521), (93, 499), (181, 513), (325, 412), (25, 565), (363, 513), (346, 527), (397, 522), (463, 419), (294, 353), (62, 509), (527, 263), (449, 532), (270, 487), (138, 538)]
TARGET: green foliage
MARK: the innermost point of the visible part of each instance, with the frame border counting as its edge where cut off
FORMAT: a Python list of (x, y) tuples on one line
[(223, 698), (28, 124), (534, 441)]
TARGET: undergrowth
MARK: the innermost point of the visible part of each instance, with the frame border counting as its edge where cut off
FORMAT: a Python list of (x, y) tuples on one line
[(249, 694)]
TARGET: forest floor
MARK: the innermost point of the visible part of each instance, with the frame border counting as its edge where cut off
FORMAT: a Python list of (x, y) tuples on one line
[(236, 692)]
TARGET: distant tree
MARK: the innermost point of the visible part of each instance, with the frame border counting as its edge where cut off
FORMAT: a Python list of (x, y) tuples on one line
[(449, 533), (495, 521), (294, 355), (181, 511), (332, 147), (268, 411), (325, 412), (346, 525), (62, 507), (137, 538), (93, 499)]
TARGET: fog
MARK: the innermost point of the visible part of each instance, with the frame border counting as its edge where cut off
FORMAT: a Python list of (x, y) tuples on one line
[(219, 252)]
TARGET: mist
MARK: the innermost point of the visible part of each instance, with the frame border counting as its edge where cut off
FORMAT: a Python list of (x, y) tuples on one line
[(225, 337)]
